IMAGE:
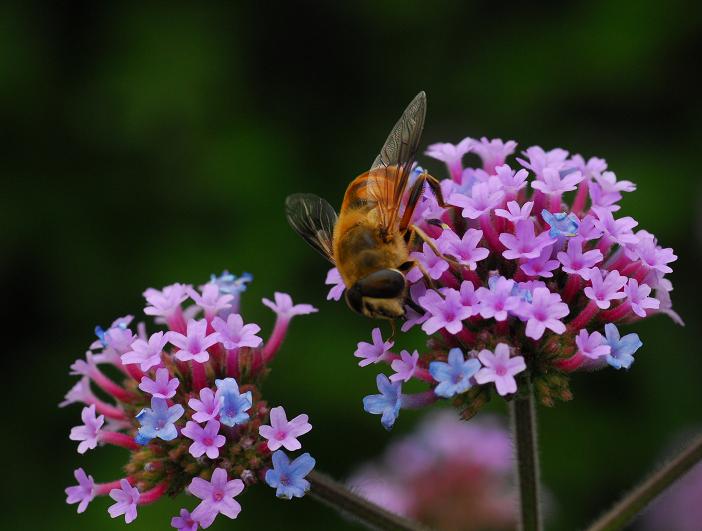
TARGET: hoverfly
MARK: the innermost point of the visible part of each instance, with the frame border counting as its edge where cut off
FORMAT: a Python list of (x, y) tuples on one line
[(370, 240)]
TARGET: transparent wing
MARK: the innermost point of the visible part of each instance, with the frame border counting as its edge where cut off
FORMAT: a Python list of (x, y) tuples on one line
[(313, 219), (390, 171)]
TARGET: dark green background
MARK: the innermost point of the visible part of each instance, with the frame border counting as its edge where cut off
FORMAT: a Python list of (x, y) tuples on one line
[(145, 145)]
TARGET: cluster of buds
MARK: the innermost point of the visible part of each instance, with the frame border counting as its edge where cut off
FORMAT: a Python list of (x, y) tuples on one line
[(528, 273), (448, 474), (186, 403)]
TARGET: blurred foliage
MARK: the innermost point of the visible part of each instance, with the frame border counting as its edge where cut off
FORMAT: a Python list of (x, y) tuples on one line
[(147, 144)]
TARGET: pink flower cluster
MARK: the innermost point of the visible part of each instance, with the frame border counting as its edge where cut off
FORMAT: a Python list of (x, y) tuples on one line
[(447, 474), (185, 403), (530, 270)]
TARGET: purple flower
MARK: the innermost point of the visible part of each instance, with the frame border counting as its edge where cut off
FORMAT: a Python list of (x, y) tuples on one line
[(604, 290), (282, 432), (184, 522), (651, 254), (602, 199), (638, 298), (387, 403), (147, 355), (493, 152), (588, 229), (575, 262), (539, 159), (524, 243), (373, 352), (623, 348), (608, 181), (205, 440), (511, 181), (444, 312), (211, 300), (79, 393), (552, 182), (497, 300), (127, 498), (541, 266), (89, 433), (405, 367), (83, 493), (546, 311), (119, 339), (162, 387), (451, 154), (232, 405), (193, 346), (285, 308), (618, 230), (592, 346), (515, 212), (288, 478), (482, 200), (465, 250), (435, 265), (217, 497), (562, 224), (233, 333), (207, 408), (454, 374), (337, 284), (158, 421), (500, 368), (166, 302)]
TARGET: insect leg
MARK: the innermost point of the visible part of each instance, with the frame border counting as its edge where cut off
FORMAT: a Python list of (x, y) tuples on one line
[(416, 193), (416, 231)]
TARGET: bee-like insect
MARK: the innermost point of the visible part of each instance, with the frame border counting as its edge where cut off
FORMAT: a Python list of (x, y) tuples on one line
[(370, 240)]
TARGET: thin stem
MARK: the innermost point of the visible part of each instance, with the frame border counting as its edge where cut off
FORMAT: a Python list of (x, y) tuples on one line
[(633, 503), (527, 459), (342, 499)]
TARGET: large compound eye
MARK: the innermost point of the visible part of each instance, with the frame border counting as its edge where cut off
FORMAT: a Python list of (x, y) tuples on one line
[(383, 284)]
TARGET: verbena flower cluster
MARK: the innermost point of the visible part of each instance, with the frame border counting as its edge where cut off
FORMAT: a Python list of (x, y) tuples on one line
[(448, 474), (185, 401), (535, 271)]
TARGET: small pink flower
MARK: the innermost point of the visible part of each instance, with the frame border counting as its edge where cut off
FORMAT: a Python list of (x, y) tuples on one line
[(577, 262), (638, 297), (206, 440), (546, 311), (605, 289), (162, 387), (515, 212), (481, 201), (166, 302), (337, 284), (207, 408), (89, 432), (524, 243), (184, 521), (434, 265), (233, 333), (553, 183), (83, 493), (193, 346), (285, 308), (282, 432), (444, 312), (127, 498), (211, 300), (500, 368), (493, 152), (593, 345), (404, 367), (147, 355), (373, 352), (465, 250), (217, 497)]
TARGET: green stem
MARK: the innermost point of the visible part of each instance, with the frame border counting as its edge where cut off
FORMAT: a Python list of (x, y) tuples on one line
[(342, 499), (523, 416), (633, 503)]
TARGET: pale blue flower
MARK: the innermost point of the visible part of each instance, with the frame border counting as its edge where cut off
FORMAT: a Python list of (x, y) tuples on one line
[(233, 405), (623, 348), (288, 478), (454, 376), (387, 403), (158, 421)]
